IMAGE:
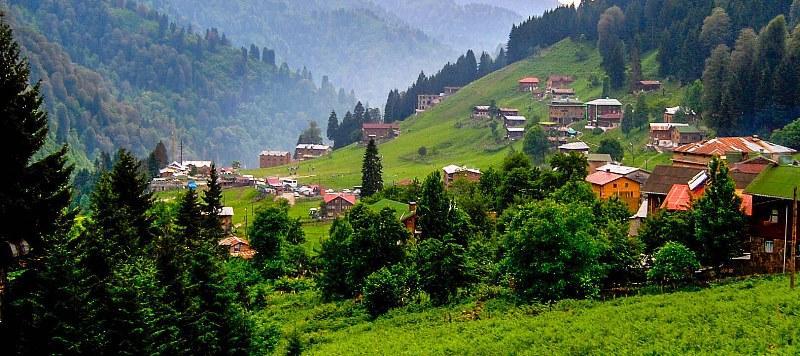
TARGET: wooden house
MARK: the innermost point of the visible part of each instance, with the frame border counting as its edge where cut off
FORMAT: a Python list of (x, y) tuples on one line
[(647, 85), (453, 173), (481, 112), (562, 93), (607, 185), (450, 91), (528, 84), (559, 81), (310, 151), (509, 112), (379, 131), (514, 121), (515, 133), (237, 247), (337, 204), (732, 149), (427, 101), (771, 220), (604, 113), (267, 159), (579, 147), (566, 111)]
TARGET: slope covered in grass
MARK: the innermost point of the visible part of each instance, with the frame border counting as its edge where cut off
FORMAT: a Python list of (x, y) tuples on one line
[(450, 136), (757, 316)]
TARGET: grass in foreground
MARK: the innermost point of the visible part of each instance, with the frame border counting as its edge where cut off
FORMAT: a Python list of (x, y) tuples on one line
[(756, 316)]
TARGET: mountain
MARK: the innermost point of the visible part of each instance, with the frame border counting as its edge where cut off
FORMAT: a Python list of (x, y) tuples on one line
[(462, 26), (524, 8), (451, 136), (117, 74), (356, 43)]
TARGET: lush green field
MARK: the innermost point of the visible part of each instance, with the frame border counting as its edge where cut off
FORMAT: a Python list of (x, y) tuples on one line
[(451, 137), (756, 316)]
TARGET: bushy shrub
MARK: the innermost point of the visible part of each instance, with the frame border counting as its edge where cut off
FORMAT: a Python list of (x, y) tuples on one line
[(673, 264), (385, 289)]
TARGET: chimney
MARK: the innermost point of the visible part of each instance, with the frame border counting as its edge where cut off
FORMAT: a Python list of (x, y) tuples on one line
[(412, 206)]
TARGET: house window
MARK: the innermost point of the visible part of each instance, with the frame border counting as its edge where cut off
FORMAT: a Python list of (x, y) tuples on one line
[(773, 217), (768, 246), (615, 185), (626, 185)]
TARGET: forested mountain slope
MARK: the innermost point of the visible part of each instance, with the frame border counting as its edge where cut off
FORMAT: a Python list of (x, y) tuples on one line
[(461, 26), (116, 74), (525, 8), (357, 44)]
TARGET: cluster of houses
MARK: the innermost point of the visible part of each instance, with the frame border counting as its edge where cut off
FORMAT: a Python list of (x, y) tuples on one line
[(302, 152), (513, 123), (669, 134), (427, 101), (764, 175)]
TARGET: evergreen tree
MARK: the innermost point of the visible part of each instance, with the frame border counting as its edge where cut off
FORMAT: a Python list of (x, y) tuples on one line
[(714, 78), (212, 207), (536, 143), (716, 28), (628, 119), (794, 14), (434, 208), (636, 66), (718, 217), (609, 29), (611, 147), (371, 171)]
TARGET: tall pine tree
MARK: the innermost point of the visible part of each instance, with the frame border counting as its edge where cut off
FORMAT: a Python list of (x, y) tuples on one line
[(371, 171)]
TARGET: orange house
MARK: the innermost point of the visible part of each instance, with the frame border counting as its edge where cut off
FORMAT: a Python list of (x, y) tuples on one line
[(607, 185)]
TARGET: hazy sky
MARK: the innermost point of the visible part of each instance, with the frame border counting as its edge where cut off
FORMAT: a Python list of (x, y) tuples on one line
[(576, 2)]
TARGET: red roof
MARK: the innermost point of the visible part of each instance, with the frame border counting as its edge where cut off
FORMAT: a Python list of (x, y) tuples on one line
[(723, 145), (529, 80), (679, 198), (274, 181), (232, 240), (377, 125), (602, 177), (350, 198)]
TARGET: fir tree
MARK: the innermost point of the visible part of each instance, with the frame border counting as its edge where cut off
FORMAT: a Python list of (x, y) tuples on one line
[(371, 171), (212, 207), (333, 126), (434, 208)]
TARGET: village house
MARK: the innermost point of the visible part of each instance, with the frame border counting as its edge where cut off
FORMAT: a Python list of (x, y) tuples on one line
[(556, 133), (684, 135), (661, 180), (579, 147), (732, 149), (453, 172), (559, 81), (528, 84), (267, 159), (634, 173), (379, 131), (514, 121), (237, 247), (562, 93), (450, 91), (661, 133), (597, 160), (226, 219), (566, 111), (186, 168), (481, 112), (669, 114), (305, 152), (509, 112), (515, 133), (771, 220), (427, 101), (337, 204), (604, 113), (607, 185), (647, 85)]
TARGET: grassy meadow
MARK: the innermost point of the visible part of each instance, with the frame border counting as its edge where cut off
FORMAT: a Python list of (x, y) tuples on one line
[(452, 137), (756, 316)]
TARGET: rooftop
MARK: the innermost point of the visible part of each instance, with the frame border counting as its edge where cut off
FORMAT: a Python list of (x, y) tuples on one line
[(567, 102), (226, 211), (722, 145), (329, 197), (688, 129), (529, 80), (602, 178), (574, 146), (451, 169), (650, 82), (775, 182), (605, 102), (515, 118), (618, 169), (665, 126), (313, 147), (273, 153), (664, 177), (515, 129), (599, 157), (379, 125)]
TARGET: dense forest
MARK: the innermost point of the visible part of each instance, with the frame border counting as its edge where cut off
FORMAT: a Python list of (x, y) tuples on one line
[(359, 44), (117, 74)]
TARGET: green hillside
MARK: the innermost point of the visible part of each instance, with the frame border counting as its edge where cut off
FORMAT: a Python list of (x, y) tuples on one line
[(452, 137), (757, 316)]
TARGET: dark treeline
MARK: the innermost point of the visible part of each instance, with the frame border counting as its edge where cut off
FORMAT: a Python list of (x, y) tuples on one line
[(465, 70), (672, 27), (349, 129), (117, 74)]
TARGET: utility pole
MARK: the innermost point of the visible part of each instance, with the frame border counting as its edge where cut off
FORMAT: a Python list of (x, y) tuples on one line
[(794, 239)]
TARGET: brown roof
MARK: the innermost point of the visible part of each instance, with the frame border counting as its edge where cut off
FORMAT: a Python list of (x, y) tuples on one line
[(649, 82), (602, 178), (376, 125), (664, 177), (722, 145), (529, 80)]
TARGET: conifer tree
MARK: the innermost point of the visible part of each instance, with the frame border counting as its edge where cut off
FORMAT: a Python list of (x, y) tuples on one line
[(212, 207), (333, 126), (434, 208), (371, 171)]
